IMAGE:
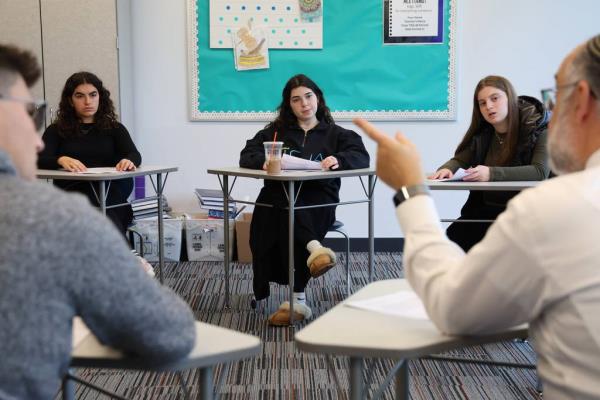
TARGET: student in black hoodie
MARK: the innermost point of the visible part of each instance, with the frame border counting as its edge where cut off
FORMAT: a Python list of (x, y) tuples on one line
[(305, 126), (505, 142)]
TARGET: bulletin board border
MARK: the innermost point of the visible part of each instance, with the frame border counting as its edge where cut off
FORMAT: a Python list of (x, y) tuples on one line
[(340, 115)]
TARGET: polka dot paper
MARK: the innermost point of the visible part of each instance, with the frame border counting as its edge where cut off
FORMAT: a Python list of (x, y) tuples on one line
[(282, 20)]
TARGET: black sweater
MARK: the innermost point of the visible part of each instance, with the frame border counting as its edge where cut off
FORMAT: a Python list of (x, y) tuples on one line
[(97, 148)]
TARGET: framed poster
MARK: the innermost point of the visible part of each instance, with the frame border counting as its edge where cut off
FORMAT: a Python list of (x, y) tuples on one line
[(359, 74), (413, 21)]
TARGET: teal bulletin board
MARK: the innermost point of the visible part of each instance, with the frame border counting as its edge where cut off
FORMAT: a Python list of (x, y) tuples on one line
[(359, 75)]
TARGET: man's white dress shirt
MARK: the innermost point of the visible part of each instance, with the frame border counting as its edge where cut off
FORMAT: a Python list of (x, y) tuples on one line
[(539, 264)]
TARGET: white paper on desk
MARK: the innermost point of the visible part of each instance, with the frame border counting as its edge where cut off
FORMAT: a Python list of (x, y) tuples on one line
[(458, 176), (80, 331), (404, 304), (291, 162), (99, 170)]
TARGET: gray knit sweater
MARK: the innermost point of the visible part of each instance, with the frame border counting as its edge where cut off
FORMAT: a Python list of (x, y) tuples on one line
[(60, 258)]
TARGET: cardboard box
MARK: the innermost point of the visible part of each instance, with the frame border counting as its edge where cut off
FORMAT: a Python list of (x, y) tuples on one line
[(242, 236), (205, 238), (172, 230)]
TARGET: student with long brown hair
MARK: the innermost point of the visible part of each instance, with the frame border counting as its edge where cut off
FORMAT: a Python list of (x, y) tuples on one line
[(506, 141)]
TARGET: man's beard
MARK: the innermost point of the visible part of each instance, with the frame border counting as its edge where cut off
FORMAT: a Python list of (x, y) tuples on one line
[(563, 159)]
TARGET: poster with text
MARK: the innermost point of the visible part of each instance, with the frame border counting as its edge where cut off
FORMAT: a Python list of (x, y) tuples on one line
[(413, 22)]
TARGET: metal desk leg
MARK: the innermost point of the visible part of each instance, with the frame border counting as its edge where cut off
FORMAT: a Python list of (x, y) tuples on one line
[(161, 238), (402, 388), (102, 198), (371, 226), (356, 378), (68, 388), (206, 383), (226, 236), (291, 197)]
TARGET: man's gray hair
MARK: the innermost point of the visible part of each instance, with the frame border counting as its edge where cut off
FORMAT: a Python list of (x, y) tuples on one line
[(586, 65)]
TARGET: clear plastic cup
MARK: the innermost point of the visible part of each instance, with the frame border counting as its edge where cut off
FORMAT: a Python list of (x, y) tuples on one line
[(273, 157)]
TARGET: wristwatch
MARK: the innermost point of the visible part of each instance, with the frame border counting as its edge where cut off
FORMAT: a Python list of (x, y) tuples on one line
[(406, 192)]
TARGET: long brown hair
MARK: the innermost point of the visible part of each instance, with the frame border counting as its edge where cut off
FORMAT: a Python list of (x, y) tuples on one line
[(67, 120), (479, 123), (286, 116)]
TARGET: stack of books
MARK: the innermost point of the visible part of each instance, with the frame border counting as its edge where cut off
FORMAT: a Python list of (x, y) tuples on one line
[(211, 200), (148, 208)]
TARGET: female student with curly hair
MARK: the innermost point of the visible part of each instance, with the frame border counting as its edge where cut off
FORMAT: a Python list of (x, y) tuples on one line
[(87, 134), (506, 141), (306, 127)]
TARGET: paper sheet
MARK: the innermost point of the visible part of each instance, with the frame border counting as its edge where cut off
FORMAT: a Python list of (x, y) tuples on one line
[(99, 170), (291, 162), (458, 176), (80, 331), (404, 304)]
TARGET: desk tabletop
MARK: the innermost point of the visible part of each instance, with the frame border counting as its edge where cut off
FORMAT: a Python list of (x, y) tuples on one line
[(290, 175), (351, 331), (462, 185), (214, 345), (108, 176)]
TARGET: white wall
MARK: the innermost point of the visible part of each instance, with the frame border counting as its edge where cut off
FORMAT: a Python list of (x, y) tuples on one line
[(523, 40)]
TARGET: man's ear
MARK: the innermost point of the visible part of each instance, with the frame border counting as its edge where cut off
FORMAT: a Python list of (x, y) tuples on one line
[(584, 101)]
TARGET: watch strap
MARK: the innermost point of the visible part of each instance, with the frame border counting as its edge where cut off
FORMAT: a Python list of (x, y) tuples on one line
[(406, 192)]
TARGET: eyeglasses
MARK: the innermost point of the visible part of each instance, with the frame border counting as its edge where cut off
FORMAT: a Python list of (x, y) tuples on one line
[(35, 108), (549, 95)]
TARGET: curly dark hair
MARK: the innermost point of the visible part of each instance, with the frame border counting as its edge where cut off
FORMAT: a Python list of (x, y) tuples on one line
[(67, 120), (286, 116), (14, 62)]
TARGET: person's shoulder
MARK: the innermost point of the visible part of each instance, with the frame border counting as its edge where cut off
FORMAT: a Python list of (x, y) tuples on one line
[(552, 195), (118, 128), (51, 129), (534, 117), (337, 129), (54, 206)]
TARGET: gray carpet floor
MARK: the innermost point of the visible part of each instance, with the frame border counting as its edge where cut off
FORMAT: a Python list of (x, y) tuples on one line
[(283, 372)]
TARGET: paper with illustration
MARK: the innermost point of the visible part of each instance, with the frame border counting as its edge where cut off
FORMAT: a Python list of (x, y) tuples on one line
[(250, 48)]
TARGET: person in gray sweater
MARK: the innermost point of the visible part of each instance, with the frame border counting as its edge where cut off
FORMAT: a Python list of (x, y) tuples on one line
[(60, 258)]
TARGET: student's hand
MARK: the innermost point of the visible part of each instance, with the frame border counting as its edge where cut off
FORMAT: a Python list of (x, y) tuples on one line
[(398, 161), (443, 173), (330, 163), (71, 164), (480, 173), (265, 166), (125, 165)]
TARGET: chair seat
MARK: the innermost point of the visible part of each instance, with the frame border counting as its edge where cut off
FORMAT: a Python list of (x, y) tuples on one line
[(336, 225)]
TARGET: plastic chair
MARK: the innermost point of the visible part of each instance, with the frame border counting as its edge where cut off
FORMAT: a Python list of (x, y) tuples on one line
[(338, 226)]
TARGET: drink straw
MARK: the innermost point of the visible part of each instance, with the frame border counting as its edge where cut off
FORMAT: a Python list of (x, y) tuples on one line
[(273, 145)]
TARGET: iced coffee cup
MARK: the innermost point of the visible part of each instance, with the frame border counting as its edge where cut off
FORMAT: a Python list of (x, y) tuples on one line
[(273, 157)]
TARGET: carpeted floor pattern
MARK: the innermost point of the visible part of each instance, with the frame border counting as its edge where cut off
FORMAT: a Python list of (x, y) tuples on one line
[(283, 372)]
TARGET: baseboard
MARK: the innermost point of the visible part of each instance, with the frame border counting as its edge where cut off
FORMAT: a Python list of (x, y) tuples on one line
[(362, 244)]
